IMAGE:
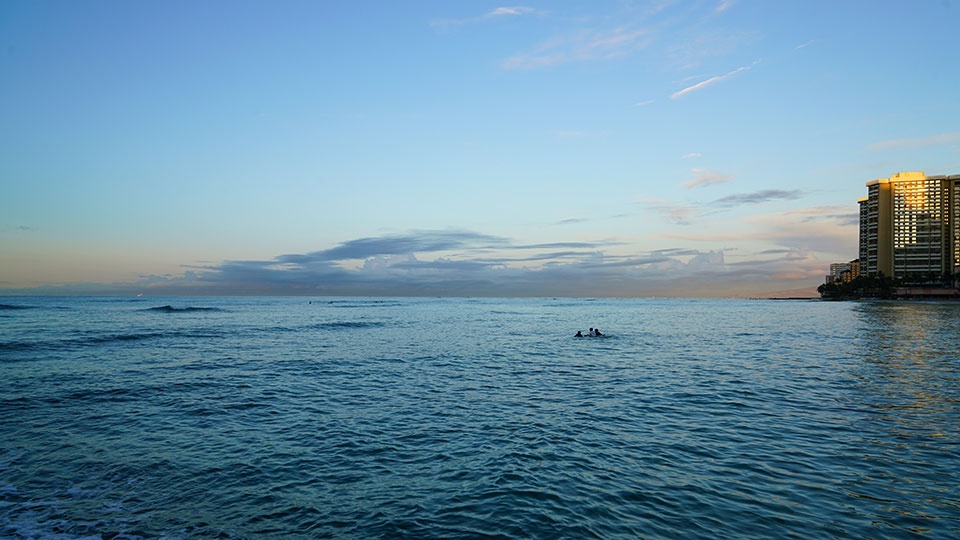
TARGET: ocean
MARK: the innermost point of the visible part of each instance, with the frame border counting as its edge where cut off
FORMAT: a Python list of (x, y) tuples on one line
[(295, 417)]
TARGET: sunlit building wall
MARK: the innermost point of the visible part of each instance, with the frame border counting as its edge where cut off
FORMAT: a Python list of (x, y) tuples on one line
[(953, 188), (910, 225), (851, 273), (843, 272)]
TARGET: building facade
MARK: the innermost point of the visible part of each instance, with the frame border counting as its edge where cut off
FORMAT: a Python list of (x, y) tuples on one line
[(910, 226), (843, 272)]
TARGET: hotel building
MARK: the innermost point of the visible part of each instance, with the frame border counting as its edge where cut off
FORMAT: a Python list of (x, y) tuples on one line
[(910, 225)]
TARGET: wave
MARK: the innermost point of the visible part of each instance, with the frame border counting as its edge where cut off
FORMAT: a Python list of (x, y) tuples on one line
[(356, 303), (104, 339), (12, 307), (22, 346), (341, 325), (16, 346), (184, 309), (109, 338), (188, 334)]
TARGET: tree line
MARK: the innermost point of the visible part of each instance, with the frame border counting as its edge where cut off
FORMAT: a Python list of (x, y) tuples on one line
[(884, 287)]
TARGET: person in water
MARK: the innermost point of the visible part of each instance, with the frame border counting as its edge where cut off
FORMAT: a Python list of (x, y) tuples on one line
[(594, 332)]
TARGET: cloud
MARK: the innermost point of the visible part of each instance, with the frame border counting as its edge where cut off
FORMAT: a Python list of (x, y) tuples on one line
[(684, 214), (829, 230), (417, 242), (919, 142), (836, 215), (710, 82), (706, 177), (496, 13), (572, 221), (691, 155), (567, 245), (678, 214), (584, 45), (468, 263), (675, 252), (724, 5), (515, 10), (809, 226), (524, 270), (757, 197)]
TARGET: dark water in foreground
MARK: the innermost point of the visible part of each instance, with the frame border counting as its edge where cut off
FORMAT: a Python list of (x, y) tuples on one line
[(473, 418)]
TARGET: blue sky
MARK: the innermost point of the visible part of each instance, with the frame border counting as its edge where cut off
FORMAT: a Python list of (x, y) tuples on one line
[(648, 148)]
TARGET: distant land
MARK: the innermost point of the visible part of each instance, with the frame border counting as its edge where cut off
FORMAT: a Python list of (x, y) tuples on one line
[(805, 293)]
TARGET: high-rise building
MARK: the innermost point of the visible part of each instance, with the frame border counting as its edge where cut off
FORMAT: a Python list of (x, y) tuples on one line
[(910, 225)]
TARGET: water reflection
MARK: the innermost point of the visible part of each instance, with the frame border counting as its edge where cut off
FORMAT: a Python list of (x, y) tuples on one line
[(908, 379), (911, 354)]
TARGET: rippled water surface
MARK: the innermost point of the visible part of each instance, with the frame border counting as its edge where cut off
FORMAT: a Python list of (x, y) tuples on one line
[(471, 418)]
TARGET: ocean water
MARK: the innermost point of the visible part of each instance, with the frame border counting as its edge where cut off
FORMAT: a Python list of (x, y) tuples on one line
[(183, 418)]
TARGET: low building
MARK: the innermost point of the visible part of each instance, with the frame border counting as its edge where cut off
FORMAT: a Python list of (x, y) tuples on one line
[(843, 272)]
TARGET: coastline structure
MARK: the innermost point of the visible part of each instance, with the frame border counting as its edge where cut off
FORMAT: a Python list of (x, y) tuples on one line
[(909, 240), (910, 226)]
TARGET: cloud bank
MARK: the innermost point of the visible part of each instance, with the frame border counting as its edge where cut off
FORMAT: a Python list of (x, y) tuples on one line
[(467, 263)]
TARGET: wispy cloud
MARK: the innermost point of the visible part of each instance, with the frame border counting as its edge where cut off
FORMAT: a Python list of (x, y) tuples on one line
[(496, 13), (572, 221), (837, 215), (705, 177), (823, 229), (508, 11), (679, 214), (581, 46), (711, 81), (691, 155), (566, 245), (757, 197), (724, 5), (820, 229), (685, 213), (918, 142)]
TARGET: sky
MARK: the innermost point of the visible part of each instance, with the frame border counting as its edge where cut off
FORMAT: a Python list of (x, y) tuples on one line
[(471, 148)]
